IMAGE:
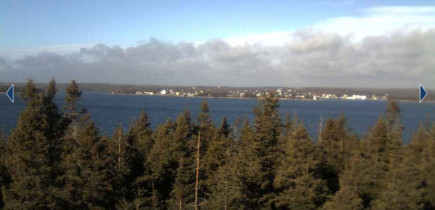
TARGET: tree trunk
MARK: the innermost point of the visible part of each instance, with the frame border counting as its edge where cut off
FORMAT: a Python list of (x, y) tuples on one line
[(197, 171), (320, 129), (119, 153)]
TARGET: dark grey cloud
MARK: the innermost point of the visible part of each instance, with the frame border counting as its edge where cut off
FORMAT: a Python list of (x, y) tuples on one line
[(400, 59)]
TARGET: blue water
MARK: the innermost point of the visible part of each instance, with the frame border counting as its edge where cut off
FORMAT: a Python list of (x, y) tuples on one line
[(109, 111)]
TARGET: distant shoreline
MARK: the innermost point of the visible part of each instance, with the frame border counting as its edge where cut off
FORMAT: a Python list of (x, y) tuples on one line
[(283, 99), (287, 93)]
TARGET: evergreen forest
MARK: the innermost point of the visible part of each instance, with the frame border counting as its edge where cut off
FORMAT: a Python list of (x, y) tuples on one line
[(56, 158)]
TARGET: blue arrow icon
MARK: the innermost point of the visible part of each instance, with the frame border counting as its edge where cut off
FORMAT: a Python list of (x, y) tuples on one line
[(423, 93), (10, 93)]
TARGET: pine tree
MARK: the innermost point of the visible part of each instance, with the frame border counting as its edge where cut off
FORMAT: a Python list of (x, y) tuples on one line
[(335, 145), (131, 161), (29, 91), (287, 129), (298, 180), (331, 149), (163, 164), (72, 96), (51, 90), (430, 171), (216, 153), (259, 160), (4, 174), (393, 125), (72, 116), (225, 186), (141, 132), (366, 174), (91, 174), (392, 114), (249, 168), (88, 162), (209, 137), (205, 124), (224, 129), (407, 183), (220, 156), (182, 194), (139, 144), (349, 197), (34, 154), (174, 142), (183, 143)]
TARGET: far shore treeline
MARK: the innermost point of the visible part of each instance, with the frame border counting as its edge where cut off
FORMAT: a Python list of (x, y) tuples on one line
[(55, 158), (401, 94)]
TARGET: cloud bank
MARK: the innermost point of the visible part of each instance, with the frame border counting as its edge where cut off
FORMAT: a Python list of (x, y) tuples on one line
[(320, 56)]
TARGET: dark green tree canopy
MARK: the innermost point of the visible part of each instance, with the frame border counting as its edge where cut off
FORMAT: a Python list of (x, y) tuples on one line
[(57, 159)]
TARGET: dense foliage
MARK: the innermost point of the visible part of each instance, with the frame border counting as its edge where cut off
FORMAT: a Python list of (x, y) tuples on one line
[(56, 159)]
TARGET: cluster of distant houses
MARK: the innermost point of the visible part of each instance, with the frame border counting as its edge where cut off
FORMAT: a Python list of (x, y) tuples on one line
[(285, 94), (169, 92), (348, 97)]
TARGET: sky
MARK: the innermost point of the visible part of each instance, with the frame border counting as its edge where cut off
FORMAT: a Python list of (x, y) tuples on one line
[(329, 43)]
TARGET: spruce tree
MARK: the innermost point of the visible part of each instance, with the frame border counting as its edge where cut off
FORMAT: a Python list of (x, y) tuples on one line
[(407, 184), (218, 157), (4, 174), (182, 195), (216, 153), (249, 168), (393, 125), (91, 169), (142, 133), (259, 161), (29, 91), (183, 151), (335, 144), (174, 143), (183, 144), (34, 154), (430, 171), (298, 180), (349, 195), (365, 177), (207, 131), (139, 144), (88, 161), (133, 184), (72, 96), (205, 125), (72, 115), (163, 164), (225, 185), (129, 167), (51, 90)]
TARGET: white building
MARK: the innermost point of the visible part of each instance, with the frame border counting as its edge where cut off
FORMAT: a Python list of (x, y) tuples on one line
[(163, 92), (356, 97)]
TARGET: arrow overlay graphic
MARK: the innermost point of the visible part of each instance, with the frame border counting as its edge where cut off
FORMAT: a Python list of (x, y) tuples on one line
[(10, 93), (423, 93)]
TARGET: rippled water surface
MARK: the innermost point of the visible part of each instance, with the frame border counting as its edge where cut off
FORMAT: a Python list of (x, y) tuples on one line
[(109, 111)]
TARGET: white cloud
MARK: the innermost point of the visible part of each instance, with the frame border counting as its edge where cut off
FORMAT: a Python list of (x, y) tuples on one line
[(269, 39), (386, 47), (374, 21), (17, 53), (381, 20), (313, 58)]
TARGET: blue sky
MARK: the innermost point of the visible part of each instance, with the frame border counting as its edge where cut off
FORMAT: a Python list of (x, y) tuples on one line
[(46, 23), (331, 43)]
